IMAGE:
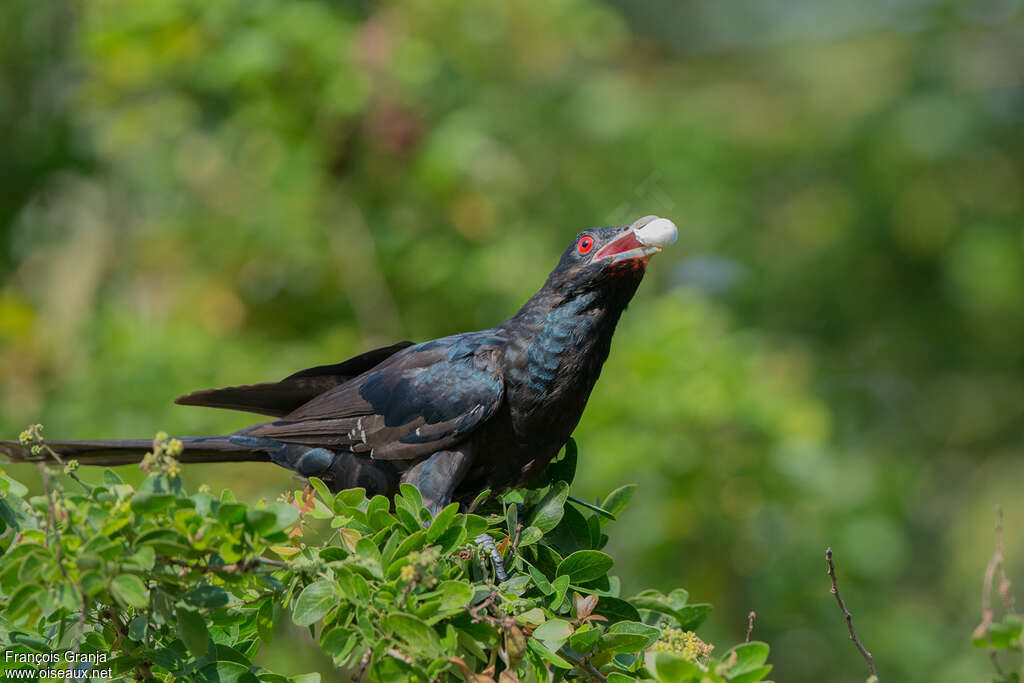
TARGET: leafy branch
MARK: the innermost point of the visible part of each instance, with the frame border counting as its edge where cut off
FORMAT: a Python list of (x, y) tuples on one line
[(158, 583)]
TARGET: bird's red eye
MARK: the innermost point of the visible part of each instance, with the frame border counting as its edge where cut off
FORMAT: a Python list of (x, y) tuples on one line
[(586, 244)]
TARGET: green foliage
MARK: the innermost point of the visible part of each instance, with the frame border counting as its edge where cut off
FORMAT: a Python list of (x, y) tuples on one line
[(1004, 637), (168, 584)]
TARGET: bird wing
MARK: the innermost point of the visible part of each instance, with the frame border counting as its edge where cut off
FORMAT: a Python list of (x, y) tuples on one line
[(280, 398), (420, 401)]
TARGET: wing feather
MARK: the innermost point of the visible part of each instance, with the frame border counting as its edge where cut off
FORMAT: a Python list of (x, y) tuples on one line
[(410, 406), (280, 398)]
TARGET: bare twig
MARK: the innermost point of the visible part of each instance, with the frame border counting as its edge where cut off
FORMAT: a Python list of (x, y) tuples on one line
[(995, 564), (1004, 583), (272, 563), (52, 521), (398, 654), (750, 624), (70, 471), (849, 617), (364, 661)]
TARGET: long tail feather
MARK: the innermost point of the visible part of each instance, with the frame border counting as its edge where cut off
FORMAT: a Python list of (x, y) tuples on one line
[(127, 451)]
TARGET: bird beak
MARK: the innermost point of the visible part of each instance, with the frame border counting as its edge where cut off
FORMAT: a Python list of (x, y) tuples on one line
[(644, 237)]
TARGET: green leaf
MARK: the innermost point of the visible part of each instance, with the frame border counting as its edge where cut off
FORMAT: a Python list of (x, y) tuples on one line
[(322, 490), (23, 600), (144, 503), (1005, 634), (354, 586), (480, 498), (754, 675), (621, 643), (558, 588), (266, 618), (8, 516), (529, 536), (511, 519), (749, 656), (584, 640), (411, 494), (550, 657), (572, 533), (415, 632), (475, 525), (452, 539), (455, 594), (618, 499), (548, 512), (616, 609), (282, 516), (349, 498), (129, 590), (585, 565), (688, 617), (369, 555), (314, 602), (628, 637), (338, 643), (192, 631), (553, 632), (231, 513), (92, 583), (671, 668), (441, 523), (163, 607), (207, 597), (164, 541), (616, 677), (137, 627), (144, 557), (692, 616), (227, 672)]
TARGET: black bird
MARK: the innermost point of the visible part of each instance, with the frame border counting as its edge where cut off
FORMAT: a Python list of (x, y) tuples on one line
[(454, 416)]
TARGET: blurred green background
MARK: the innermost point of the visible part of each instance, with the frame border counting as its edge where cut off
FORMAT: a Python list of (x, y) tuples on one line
[(205, 193)]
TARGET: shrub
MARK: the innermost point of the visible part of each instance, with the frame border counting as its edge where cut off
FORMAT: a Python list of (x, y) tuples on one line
[(159, 583)]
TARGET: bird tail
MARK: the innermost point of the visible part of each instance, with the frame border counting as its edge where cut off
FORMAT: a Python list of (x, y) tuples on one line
[(128, 451)]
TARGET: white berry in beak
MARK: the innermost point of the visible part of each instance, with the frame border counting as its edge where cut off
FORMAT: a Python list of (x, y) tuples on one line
[(653, 231)]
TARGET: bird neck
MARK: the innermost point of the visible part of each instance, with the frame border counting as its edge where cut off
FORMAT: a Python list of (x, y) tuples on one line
[(564, 338)]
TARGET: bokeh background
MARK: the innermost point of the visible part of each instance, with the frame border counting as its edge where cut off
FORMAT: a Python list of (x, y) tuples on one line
[(204, 193)]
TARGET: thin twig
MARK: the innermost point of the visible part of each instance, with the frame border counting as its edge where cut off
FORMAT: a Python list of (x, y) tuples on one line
[(52, 521), (68, 471), (849, 617), (364, 661), (398, 654), (1004, 583), (750, 624), (987, 616), (272, 563)]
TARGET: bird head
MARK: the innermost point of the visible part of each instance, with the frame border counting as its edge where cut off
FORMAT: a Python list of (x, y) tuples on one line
[(601, 257)]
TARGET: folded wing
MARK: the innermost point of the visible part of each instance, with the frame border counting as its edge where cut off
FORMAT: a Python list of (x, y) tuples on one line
[(426, 399), (280, 398)]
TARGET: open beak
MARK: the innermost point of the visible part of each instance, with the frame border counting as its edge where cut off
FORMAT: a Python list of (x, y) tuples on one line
[(644, 237)]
